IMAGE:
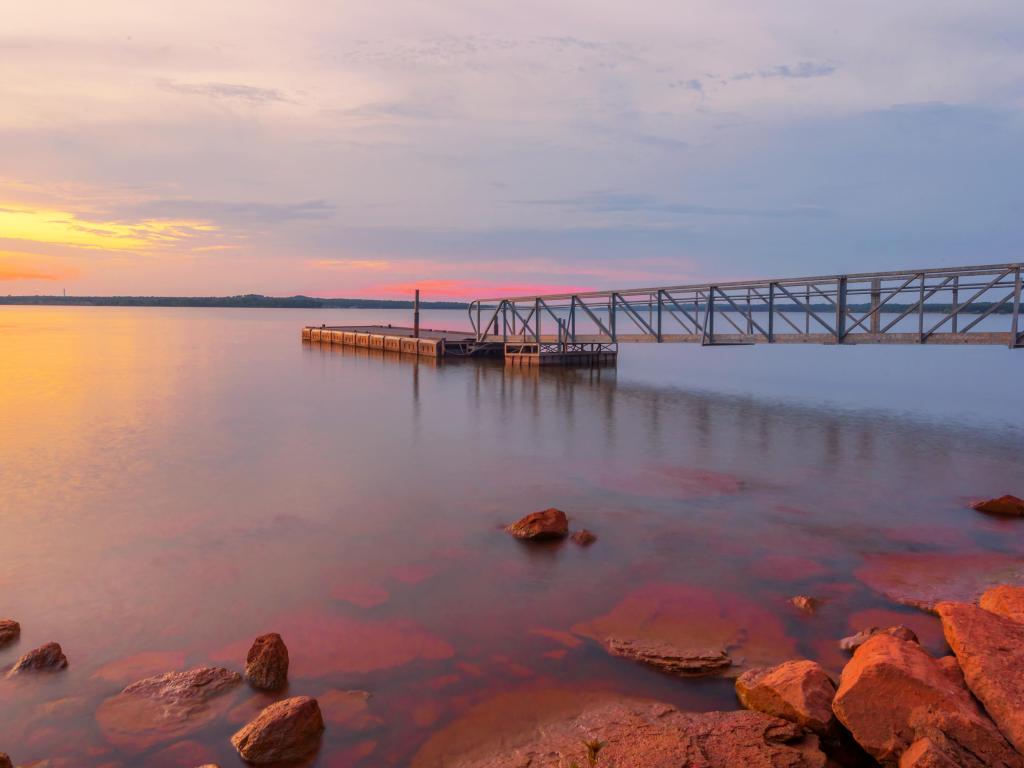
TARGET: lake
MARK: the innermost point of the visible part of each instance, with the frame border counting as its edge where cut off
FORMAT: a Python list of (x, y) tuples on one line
[(174, 482)]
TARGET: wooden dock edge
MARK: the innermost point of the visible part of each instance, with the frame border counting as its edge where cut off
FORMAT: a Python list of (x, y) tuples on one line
[(434, 348)]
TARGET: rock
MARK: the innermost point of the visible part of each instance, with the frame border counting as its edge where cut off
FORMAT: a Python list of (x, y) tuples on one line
[(1006, 506), (922, 579), (676, 622), (806, 603), (798, 691), (537, 526), (45, 657), (9, 630), (5, 761), (892, 693), (166, 706), (633, 733), (853, 642), (686, 662), (286, 730), (348, 709), (990, 650), (1006, 600), (266, 664), (951, 667), (926, 753), (583, 537)]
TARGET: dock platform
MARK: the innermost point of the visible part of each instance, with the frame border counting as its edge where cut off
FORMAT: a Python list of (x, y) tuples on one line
[(438, 344)]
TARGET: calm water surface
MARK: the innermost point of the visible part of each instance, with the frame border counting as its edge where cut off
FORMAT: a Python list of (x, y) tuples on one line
[(174, 482)]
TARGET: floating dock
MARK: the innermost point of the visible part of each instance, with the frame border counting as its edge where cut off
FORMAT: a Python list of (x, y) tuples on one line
[(438, 344)]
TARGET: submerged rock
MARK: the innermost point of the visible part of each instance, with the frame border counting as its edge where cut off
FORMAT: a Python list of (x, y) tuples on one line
[(536, 526), (798, 691), (853, 642), (166, 706), (45, 657), (990, 651), (893, 694), (686, 662), (583, 537), (9, 630), (1006, 506), (286, 730), (349, 709), (266, 664), (806, 603), (632, 733), (1005, 600)]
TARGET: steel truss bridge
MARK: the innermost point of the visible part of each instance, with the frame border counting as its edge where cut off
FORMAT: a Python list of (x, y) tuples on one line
[(948, 305)]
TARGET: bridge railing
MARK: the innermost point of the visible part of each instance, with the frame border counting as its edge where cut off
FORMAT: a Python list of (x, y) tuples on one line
[(948, 305)]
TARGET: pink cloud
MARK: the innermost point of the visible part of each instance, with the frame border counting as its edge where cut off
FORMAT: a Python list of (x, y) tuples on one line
[(440, 289)]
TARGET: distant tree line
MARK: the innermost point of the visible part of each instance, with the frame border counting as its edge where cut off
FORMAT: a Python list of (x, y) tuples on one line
[(249, 300)]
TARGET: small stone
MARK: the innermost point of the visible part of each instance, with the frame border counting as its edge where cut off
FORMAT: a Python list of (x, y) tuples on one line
[(853, 642), (266, 664), (9, 630), (675, 660), (45, 657), (806, 603), (583, 537), (1005, 600), (1006, 506), (537, 526), (798, 691), (286, 730)]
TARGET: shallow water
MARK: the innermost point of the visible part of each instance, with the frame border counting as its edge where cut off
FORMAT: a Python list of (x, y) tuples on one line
[(174, 482)]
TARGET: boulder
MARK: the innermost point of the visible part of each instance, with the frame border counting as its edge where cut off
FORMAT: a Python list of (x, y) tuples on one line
[(853, 642), (583, 537), (266, 664), (673, 659), (632, 733), (806, 603), (286, 730), (927, 753), (45, 657), (798, 691), (166, 706), (1006, 600), (1006, 506), (990, 650), (537, 526), (9, 630), (951, 667), (892, 694)]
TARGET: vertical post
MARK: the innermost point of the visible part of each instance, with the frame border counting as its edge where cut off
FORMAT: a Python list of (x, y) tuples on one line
[(1015, 323), (480, 332), (807, 309), (416, 315), (840, 309), (709, 317), (956, 302), (750, 316), (920, 314), (771, 312), (536, 322), (611, 315), (876, 301), (659, 315)]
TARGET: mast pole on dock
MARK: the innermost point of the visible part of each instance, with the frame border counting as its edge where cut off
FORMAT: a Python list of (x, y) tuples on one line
[(416, 315)]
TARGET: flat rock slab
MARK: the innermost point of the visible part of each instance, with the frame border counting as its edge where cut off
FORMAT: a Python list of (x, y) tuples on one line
[(677, 622), (549, 731), (990, 650), (166, 707), (922, 579), (893, 694)]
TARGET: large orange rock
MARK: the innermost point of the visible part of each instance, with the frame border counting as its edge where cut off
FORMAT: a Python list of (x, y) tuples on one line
[(892, 694), (1006, 600), (798, 691), (45, 657), (1007, 506), (536, 526), (5, 761), (287, 730), (266, 664), (9, 630), (684, 629), (550, 730), (166, 706), (990, 650)]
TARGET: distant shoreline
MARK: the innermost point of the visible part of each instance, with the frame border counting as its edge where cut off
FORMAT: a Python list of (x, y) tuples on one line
[(247, 301)]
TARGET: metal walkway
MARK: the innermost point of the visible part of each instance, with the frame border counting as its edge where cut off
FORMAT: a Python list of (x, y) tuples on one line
[(949, 305)]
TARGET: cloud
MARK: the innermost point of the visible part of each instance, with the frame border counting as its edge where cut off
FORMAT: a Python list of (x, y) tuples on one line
[(799, 71), (226, 211), (235, 91), (617, 202)]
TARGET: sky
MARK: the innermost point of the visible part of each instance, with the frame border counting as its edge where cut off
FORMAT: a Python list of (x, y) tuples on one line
[(479, 149)]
